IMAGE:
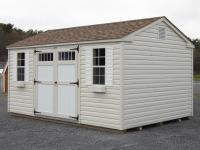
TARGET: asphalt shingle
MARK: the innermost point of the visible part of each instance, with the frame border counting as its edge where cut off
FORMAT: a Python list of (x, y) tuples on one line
[(115, 30)]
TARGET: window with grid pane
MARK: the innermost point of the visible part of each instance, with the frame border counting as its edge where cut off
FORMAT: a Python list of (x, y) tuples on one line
[(66, 56), (20, 66), (99, 66), (45, 57)]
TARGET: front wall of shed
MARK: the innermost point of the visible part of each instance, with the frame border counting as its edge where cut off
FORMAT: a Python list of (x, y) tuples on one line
[(98, 109), (157, 78)]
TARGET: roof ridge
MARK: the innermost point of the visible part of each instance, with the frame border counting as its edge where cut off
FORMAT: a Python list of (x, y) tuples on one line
[(74, 27)]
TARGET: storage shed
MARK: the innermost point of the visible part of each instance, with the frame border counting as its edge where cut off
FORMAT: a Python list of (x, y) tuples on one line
[(117, 75)]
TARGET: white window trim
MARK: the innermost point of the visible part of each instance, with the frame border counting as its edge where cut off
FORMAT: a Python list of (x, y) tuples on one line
[(13, 65), (88, 54), (98, 66), (23, 67)]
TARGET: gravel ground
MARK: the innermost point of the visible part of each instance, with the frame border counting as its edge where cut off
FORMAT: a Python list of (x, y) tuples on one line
[(28, 134), (196, 88)]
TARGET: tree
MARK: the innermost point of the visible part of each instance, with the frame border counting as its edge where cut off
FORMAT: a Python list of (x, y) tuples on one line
[(196, 43), (6, 27), (10, 34)]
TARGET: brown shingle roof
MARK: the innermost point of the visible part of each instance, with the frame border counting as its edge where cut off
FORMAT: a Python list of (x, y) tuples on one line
[(116, 30)]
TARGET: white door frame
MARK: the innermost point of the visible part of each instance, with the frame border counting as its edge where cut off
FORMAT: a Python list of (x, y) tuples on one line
[(55, 66)]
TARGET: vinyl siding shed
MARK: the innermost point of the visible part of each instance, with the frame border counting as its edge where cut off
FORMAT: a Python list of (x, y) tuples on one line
[(117, 75)]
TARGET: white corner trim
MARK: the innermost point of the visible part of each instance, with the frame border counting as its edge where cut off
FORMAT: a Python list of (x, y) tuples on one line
[(121, 85), (176, 30)]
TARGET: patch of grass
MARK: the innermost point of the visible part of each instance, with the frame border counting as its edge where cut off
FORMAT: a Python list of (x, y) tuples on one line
[(197, 96), (197, 77)]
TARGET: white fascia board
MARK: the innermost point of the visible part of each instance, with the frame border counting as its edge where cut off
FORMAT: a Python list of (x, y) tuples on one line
[(68, 44), (179, 32)]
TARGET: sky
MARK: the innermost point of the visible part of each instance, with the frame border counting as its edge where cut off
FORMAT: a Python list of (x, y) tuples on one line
[(53, 14)]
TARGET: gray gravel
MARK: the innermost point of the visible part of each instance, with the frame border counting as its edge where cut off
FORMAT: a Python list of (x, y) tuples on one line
[(196, 88), (27, 134)]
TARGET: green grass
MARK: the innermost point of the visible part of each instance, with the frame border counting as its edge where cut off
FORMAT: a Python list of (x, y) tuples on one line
[(197, 77), (197, 96)]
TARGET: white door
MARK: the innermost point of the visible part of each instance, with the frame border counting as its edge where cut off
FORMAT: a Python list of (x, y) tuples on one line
[(67, 83), (45, 82), (57, 84)]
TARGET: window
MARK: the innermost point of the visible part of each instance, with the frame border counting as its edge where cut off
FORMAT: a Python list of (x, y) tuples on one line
[(99, 66), (46, 57), (162, 33), (66, 56), (20, 66)]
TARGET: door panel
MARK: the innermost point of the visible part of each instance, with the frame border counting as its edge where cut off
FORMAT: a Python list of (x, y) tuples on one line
[(45, 98), (45, 73), (66, 72), (66, 100), (67, 91)]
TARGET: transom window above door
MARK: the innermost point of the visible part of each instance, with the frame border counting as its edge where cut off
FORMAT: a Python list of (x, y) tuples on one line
[(66, 56), (99, 66), (45, 57)]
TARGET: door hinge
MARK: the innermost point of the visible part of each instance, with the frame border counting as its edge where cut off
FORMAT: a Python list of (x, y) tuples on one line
[(77, 83), (77, 49), (35, 51), (35, 81), (75, 117), (36, 112)]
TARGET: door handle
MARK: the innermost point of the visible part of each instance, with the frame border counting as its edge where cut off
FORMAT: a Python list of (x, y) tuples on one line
[(77, 83), (35, 81)]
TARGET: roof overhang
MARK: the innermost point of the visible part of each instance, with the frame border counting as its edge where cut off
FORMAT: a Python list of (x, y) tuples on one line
[(74, 43)]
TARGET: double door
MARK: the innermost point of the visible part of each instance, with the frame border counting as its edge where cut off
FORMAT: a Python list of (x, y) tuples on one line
[(56, 83)]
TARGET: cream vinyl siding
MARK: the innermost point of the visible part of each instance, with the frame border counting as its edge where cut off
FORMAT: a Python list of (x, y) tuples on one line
[(100, 109), (157, 78), (20, 100)]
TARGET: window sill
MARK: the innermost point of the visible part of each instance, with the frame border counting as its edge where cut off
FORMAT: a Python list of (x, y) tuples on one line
[(20, 84), (98, 88)]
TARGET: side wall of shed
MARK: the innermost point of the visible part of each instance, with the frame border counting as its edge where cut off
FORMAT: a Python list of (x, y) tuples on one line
[(157, 78), (20, 100)]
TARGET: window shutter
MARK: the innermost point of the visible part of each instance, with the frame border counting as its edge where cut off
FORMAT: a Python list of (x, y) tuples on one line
[(109, 67), (88, 61), (13, 61), (27, 66)]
